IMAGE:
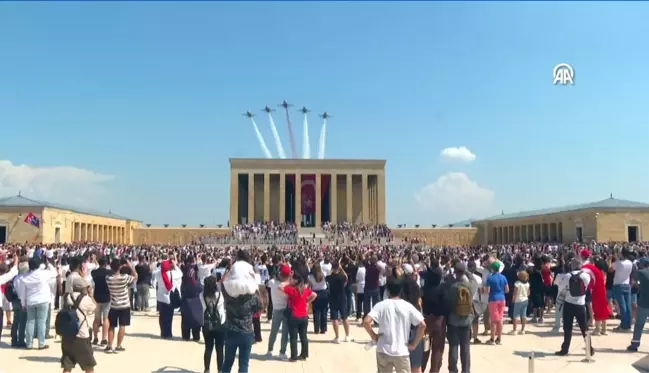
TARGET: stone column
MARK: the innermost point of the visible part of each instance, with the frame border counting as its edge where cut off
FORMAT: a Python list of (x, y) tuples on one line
[(251, 197), (333, 199), (298, 200), (282, 197), (381, 186), (350, 211), (318, 200), (234, 198), (266, 196), (365, 194)]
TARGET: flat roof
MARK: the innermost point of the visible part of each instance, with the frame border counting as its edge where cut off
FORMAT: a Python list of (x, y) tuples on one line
[(20, 201), (311, 164)]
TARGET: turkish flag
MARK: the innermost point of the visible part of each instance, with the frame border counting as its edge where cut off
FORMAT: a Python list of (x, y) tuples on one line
[(308, 188)]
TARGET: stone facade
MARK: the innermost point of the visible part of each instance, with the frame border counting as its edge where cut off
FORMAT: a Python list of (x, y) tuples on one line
[(570, 226), (356, 189), (174, 235), (455, 236), (64, 226)]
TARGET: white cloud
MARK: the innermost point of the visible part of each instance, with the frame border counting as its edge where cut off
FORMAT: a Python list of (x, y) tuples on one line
[(455, 197), (61, 184), (458, 154)]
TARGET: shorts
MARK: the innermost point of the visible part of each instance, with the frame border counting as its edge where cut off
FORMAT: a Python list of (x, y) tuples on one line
[(77, 351), (119, 317), (416, 355), (479, 309), (101, 312), (338, 309), (520, 310), (496, 310)]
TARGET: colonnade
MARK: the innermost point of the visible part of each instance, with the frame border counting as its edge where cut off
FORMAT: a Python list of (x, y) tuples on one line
[(541, 232), (353, 197), (98, 233)]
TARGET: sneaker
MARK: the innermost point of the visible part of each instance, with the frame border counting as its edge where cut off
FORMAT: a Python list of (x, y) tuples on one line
[(336, 340), (109, 350), (498, 341), (476, 341), (633, 347), (283, 357), (269, 354), (348, 338), (120, 349), (512, 332), (103, 342), (595, 333), (95, 341), (534, 320), (491, 342), (522, 332), (561, 353)]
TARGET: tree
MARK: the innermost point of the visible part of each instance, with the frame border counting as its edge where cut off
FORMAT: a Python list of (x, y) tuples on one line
[(202, 225), (450, 225), (416, 225), (148, 225), (220, 225), (467, 225), (434, 225), (166, 225), (399, 225), (184, 225)]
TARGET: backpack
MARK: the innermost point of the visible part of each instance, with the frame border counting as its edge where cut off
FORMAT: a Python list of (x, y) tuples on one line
[(463, 302), (67, 323), (211, 316), (10, 292), (576, 285)]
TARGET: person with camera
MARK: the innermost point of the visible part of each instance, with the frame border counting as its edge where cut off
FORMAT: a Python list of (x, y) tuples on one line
[(119, 315)]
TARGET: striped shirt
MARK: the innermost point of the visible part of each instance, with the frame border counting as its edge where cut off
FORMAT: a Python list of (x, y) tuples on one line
[(118, 288)]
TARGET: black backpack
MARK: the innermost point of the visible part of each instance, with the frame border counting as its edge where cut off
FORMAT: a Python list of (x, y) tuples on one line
[(211, 316), (10, 292), (576, 285), (67, 323)]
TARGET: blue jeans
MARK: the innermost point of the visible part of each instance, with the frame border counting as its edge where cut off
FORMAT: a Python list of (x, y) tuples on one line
[(277, 320), (242, 342), (19, 324), (320, 307), (36, 318), (640, 320), (622, 295), (349, 293)]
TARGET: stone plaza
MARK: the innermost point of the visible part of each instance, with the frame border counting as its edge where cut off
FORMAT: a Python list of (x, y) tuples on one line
[(146, 352)]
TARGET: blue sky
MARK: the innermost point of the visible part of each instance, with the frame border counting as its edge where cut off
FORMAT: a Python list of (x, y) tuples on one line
[(134, 107)]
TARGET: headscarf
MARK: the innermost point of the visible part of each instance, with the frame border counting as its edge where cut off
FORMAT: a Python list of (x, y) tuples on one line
[(165, 267)]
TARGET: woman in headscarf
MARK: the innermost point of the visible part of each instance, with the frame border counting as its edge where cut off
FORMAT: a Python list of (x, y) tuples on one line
[(167, 279), (191, 309)]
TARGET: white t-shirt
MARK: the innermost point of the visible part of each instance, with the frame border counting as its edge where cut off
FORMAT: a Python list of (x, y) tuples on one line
[(326, 268), (279, 298), (395, 318), (478, 280), (565, 284), (360, 280), (623, 269), (522, 291)]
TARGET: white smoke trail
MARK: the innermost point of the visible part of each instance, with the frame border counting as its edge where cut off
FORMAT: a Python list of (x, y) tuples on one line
[(262, 143), (278, 141), (323, 136), (306, 148)]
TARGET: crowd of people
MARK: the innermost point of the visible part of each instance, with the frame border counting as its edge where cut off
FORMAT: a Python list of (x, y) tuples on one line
[(417, 296), (356, 232), (256, 233)]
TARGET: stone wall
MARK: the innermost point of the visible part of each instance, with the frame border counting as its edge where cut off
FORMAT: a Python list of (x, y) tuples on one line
[(174, 235), (456, 236), (613, 226)]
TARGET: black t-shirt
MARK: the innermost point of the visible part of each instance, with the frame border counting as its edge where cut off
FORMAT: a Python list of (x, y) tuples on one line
[(351, 271), (101, 293), (143, 273), (336, 283)]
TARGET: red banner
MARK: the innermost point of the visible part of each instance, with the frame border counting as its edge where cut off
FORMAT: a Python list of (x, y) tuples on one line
[(308, 189)]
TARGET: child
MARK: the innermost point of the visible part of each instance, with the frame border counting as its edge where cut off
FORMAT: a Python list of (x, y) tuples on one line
[(241, 279), (520, 298)]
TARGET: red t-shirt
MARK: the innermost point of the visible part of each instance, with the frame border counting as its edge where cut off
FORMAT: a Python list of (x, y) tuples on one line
[(297, 301), (546, 274)]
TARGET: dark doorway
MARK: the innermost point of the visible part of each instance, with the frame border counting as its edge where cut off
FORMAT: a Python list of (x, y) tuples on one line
[(325, 205), (579, 232), (3, 234), (289, 205), (632, 233), (242, 215)]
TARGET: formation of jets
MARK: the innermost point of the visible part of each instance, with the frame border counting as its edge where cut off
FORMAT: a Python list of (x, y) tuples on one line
[(285, 105)]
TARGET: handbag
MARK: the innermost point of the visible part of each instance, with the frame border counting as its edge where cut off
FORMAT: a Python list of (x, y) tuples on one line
[(174, 296)]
